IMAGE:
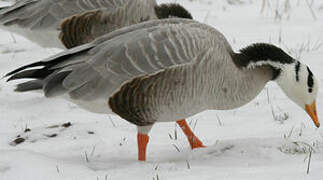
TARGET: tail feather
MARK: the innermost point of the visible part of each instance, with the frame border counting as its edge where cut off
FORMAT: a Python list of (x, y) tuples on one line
[(50, 73), (51, 62), (29, 86), (33, 73), (36, 64), (54, 86)]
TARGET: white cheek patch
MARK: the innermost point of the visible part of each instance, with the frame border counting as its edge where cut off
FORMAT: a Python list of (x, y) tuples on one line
[(314, 89), (306, 86), (298, 83), (301, 86)]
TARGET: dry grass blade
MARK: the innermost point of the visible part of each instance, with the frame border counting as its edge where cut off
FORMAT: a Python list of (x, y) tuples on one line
[(111, 120), (268, 98), (93, 150), (309, 162), (86, 157), (13, 38), (178, 150), (188, 164), (290, 132), (170, 136), (219, 120), (156, 177), (57, 169), (311, 9), (195, 125), (175, 133)]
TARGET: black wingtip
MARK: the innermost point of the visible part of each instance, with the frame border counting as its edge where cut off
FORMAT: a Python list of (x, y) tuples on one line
[(10, 78), (40, 74), (22, 68), (169, 10)]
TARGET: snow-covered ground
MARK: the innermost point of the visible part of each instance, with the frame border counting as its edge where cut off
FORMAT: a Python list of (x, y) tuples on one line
[(270, 138)]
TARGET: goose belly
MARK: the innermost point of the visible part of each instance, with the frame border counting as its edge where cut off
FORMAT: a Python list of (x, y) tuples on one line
[(179, 111), (96, 106), (175, 111), (224, 100)]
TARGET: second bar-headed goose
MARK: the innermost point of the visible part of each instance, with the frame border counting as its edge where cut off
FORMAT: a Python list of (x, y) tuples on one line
[(167, 70), (40, 20)]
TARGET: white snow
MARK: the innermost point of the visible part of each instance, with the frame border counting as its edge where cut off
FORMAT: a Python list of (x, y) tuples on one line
[(250, 143)]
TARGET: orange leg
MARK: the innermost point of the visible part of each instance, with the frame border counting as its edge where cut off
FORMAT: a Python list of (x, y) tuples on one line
[(192, 139), (142, 140)]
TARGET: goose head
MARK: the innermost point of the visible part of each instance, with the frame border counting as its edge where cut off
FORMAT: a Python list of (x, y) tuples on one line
[(171, 10), (295, 79), (301, 86)]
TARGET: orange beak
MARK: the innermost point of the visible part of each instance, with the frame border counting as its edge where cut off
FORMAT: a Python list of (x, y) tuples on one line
[(311, 111)]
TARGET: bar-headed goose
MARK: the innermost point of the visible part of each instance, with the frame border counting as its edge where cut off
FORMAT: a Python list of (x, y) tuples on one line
[(167, 70), (40, 20)]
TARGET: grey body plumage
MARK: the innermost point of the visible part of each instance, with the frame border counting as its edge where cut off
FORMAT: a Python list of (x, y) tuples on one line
[(168, 69)]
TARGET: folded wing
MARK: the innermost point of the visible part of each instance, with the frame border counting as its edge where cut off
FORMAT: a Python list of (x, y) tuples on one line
[(98, 69)]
